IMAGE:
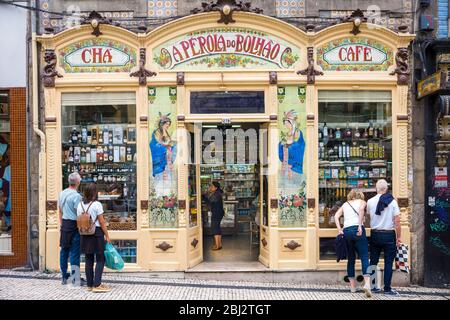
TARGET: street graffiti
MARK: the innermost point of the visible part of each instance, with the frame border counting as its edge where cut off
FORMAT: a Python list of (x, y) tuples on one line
[(438, 226), (437, 242), (443, 215), (442, 203)]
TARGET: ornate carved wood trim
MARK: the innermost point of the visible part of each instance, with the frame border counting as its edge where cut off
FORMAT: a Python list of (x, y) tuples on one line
[(273, 117), (51, 205), (180, 78), (181, 118), (310, 72), (292, 245), (273, 77), (264, 242), (164, 246), (50, 72), (311, 203), (50, 119), (310, 116), (273, 203), (95, 19), (402, 69), (402, 117), (226, 9), (403, 202), (142, 73), (356, 17), (182, 204), (194, 243), (143, 118), (144, 204)]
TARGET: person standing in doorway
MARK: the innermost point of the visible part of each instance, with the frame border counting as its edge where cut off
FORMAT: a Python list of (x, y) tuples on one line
[(215, 201), (69, 237), (355, 236), (386, 231), (93, 246)]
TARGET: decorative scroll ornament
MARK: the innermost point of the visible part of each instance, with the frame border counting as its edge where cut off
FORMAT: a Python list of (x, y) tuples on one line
[(226, 9), (264, 242), (95, 19), (356, 17), (310, 71), (402, 69), (142, 73), (50, 72), (164, 246), (194, 243), (292, 245)]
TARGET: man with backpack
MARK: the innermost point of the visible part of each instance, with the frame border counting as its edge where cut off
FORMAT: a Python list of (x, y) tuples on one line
[(70, 237)]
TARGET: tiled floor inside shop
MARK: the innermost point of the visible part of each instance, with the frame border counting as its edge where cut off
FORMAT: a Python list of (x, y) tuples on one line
[(235, 248)]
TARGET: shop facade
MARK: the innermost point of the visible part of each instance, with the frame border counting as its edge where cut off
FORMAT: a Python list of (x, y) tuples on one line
[(129, 111)]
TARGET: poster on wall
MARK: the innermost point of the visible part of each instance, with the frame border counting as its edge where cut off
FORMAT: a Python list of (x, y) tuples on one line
[(163, 155), (5, 176), (291, 152), (227, 48)]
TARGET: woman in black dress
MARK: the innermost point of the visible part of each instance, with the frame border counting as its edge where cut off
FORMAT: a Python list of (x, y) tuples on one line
[(214, 198)]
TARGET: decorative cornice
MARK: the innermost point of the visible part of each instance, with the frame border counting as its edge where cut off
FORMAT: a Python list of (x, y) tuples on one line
[(50, 72), (142, 73), (310, 71), (226, 9), (402, 69)]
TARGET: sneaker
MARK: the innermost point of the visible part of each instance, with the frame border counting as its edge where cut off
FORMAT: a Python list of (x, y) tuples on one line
[(83, 282), (392, 292), (376, 290), (89, 288), (101, 288), (64, 281), (367, 291)]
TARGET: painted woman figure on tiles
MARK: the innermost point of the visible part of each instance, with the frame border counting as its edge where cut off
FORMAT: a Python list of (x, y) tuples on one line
[(291, 150), (163, 151)]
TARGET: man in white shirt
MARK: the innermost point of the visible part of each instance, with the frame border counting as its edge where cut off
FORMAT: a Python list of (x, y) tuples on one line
[(385, 231)]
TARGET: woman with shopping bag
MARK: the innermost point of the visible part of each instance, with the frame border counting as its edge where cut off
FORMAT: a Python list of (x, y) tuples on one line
[(93, 234)]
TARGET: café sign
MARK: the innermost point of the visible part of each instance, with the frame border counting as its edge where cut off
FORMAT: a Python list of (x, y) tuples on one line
[(354, 54), (226, 48), (97, 56)]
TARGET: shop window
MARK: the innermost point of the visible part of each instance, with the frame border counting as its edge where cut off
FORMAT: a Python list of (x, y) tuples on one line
[(5, 175), (355, 147), (327, 249), (99, 142), (227, 102)]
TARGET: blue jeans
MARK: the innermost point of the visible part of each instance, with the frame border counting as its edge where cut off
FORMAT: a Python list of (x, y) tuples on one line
[(356, 244), (73, 252), (383, 241)]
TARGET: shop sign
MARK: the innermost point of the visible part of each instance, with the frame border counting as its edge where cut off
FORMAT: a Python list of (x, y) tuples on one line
[(354, 54), (431, 84), (97, 55), (226, 48)]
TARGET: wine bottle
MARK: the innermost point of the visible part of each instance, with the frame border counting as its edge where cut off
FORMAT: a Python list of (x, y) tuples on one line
[(370, 132), (84, 135), (348, 132), (338, 134), (74, 136)]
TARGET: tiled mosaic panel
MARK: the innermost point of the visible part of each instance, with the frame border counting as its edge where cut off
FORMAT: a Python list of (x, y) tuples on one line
[(290, 8), (162, 8)]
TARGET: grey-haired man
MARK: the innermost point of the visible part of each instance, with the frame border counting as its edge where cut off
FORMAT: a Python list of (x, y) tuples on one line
[(70, 238)]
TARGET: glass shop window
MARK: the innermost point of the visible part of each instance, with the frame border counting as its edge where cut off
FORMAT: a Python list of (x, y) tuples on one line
[(99, 141), (126, 249), (227, 102), (5, 175), (355, 147)]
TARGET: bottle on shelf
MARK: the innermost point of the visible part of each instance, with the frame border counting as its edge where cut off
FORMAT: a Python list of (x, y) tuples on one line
[(348, 132), (71, 154), (84, 135), (365, 134), (380, 132), (338, 134), (325, 130), (74, 136), (356, 133), (370, 130)]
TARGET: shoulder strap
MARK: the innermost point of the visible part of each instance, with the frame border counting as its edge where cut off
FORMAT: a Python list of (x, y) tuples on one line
[(353, 208)]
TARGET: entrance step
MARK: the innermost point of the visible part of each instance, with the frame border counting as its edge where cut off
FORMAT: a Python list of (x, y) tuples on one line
[(257, 272)]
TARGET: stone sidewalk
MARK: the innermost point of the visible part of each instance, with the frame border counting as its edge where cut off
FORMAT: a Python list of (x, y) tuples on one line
[(34, 285)]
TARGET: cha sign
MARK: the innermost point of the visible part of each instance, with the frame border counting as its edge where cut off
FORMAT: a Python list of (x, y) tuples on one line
[(226, 48), (354, 54), (97, 56)]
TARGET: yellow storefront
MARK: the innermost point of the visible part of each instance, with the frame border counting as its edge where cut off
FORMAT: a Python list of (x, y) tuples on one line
[(336, 100)]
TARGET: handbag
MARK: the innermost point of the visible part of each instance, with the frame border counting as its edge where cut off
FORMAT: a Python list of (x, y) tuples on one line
[(401, 258), (113, 260)]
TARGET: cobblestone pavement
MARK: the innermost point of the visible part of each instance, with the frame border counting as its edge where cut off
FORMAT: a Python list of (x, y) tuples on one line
[(37, 286)]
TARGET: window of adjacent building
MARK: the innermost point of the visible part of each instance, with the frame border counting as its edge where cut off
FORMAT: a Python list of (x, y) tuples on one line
[(5, 175), (355, 147), (99, 141)]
